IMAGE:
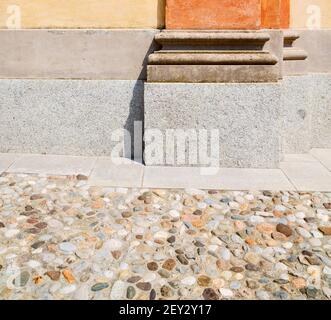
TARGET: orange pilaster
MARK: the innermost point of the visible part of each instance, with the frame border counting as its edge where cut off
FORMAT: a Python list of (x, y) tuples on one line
[(227, 14), (285, 9), (275, 14), (213, 14)]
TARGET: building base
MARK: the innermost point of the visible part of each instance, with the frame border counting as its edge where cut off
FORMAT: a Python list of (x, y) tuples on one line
[(246, 116), (73, 117)]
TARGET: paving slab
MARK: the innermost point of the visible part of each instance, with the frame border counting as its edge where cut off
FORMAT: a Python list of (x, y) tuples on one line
[(107, 173), (308, 176), (225, 178), (322, 155), (53, 164), (305, 157), (6, 160)]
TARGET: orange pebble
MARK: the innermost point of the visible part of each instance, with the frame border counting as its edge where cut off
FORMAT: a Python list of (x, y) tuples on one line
[(38, 279), (250, 241), (68, 276)]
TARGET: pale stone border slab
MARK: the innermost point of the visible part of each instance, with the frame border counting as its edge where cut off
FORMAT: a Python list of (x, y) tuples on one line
[(225, 179), (306, 157), (112, 54), (297, 172), (106, 173), (6, 160), (322, 155), (308, 176), (53, 164)]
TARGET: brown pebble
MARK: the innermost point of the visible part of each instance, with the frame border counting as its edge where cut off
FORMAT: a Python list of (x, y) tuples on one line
[(134, 279), (182, 259), (84, 277), (33, 230), (237, 269), (204, 281), (166, 291), (152, 295), (284, 229), (197, 212), (28, 208), (81, 177), (152, 266), (307, 253), (37, 244), (32, 220), (54, 275), (126, 214), (164, 273), (252, 267), (278, 236), (327, 206), (251, 284), (41, 225), (298, 283), (199, 244), (2, 225), (116, 254), (210, 294), (36, 197), (169, 264), (145, 286), (171, 239), (325, 230), (313, 261)]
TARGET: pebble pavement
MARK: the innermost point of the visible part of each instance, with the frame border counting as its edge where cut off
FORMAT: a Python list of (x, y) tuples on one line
[(61, 238)]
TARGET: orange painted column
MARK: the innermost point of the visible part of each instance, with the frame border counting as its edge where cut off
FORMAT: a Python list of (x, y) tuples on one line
[(227, 14), (285, 11), (213, 14), (275, 14)]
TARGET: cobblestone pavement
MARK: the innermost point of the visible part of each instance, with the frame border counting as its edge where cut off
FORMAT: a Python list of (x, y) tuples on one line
[(61, 238)]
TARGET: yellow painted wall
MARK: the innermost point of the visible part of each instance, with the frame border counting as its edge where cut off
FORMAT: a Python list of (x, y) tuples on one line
[(311, 14), (83, 13)]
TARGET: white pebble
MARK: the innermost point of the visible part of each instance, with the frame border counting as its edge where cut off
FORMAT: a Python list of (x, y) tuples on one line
[(225, 254), (226, 293), (118, 290), (300, 215), (327, 270), (287, 245), (174, 213), (11, 233), (67, 247), (68, 289), (188, 281), (227, 275), (303, 232), (315, 242), (113, 244), (33, 264), (82, 293)]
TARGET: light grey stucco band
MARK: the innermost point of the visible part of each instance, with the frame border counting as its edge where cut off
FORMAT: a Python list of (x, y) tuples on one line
[(75, 54)]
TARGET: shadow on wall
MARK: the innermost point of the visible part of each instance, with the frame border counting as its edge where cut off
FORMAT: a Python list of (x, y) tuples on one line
[(134, 145), (161, 13)]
